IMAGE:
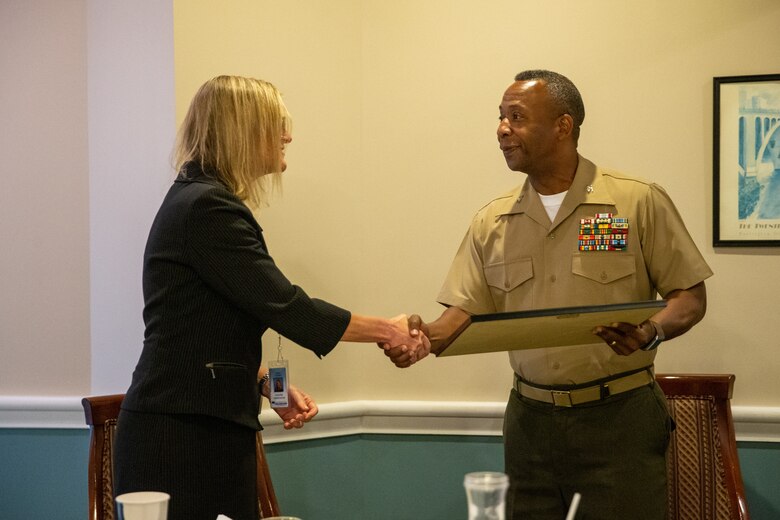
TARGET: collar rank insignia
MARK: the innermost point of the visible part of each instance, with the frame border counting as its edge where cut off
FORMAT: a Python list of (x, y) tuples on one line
[(603, 233)]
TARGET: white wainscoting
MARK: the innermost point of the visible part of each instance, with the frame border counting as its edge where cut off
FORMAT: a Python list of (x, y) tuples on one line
[(752, 423)]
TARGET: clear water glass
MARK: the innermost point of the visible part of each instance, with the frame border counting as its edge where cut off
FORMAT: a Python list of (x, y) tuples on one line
[(486, 494)]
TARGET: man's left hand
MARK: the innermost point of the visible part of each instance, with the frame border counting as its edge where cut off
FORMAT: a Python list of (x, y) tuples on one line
[(626, 338)]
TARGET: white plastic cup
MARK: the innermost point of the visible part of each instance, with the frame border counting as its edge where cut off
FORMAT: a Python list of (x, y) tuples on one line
[(143, 505), (486, 494)]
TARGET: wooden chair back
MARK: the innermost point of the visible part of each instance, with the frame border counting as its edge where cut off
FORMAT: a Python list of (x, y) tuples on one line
[(266, 496), (704, 478), (101, 413)]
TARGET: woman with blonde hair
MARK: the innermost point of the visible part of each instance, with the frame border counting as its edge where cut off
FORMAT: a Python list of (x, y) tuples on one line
[(188, 421)]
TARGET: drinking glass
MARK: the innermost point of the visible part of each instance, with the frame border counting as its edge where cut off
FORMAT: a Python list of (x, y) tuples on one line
[(486, 493)]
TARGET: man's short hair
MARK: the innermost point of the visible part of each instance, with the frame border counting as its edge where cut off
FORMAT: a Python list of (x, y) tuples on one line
[(563, 93)]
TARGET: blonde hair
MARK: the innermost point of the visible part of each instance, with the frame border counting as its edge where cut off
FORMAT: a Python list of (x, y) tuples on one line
[(234, 128)]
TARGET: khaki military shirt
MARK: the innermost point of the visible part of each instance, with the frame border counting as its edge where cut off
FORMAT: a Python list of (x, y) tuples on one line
[(513, 258)]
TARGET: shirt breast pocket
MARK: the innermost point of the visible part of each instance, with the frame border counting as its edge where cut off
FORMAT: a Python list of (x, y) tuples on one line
[(609, 276), (507, 283)]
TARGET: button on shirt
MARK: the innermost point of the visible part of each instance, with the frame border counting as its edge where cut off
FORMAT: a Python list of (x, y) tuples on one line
[(514, 258)]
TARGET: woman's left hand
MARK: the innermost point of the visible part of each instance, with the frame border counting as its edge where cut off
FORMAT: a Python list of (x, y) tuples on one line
[(302, 409)]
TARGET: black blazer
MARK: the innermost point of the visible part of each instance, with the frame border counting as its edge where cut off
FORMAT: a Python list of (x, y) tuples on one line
[(210, 291)]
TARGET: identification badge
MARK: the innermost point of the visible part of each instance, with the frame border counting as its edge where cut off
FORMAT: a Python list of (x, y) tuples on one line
[(279, 380)]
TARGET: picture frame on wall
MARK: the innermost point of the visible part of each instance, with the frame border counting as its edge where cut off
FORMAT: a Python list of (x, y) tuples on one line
[(746, 161)]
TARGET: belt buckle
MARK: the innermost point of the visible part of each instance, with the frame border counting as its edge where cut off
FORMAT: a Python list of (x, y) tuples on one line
[(562, 398)]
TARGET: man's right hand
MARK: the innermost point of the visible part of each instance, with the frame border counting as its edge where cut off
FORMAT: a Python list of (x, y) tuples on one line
[(416, 323), (408, 346)]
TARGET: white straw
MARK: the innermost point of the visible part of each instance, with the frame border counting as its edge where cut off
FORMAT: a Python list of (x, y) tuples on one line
[(575, 502)]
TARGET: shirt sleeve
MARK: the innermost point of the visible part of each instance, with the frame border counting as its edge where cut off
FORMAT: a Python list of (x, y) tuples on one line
[(672, 258), (225, 245), (465, 285)]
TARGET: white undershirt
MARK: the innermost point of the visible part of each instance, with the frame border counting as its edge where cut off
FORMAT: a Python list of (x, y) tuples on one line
[(552, 203)]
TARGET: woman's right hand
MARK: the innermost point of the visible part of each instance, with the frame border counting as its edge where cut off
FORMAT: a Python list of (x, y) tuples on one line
[(406, 347)]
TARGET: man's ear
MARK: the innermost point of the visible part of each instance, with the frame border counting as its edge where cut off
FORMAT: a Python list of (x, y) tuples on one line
[(565, 126)]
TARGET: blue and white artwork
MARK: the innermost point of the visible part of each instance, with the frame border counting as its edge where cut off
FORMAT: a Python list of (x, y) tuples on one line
[(759, 152)]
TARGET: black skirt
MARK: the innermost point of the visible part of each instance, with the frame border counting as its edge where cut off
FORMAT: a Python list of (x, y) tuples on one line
[(207, 465)]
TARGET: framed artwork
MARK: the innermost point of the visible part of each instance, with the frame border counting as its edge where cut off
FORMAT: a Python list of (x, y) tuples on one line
[(746, 161)]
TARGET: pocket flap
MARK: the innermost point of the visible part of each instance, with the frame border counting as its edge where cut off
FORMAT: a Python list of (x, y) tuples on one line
[(510, 275), (603, 267)]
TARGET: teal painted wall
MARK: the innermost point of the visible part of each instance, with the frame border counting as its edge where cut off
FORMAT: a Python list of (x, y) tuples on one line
[(43, 474), (760, 464), (376, 477), (379, 477)]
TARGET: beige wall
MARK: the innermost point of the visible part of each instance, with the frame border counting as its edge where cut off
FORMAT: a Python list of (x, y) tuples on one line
[(394, 149), (44, 198), (87, 114), (131, 127)]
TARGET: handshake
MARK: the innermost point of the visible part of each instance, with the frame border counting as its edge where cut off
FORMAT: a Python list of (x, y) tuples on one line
[(408, 343)]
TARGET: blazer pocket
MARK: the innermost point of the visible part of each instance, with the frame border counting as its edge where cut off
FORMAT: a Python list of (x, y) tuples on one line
[(508, 276), (225, 368)]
